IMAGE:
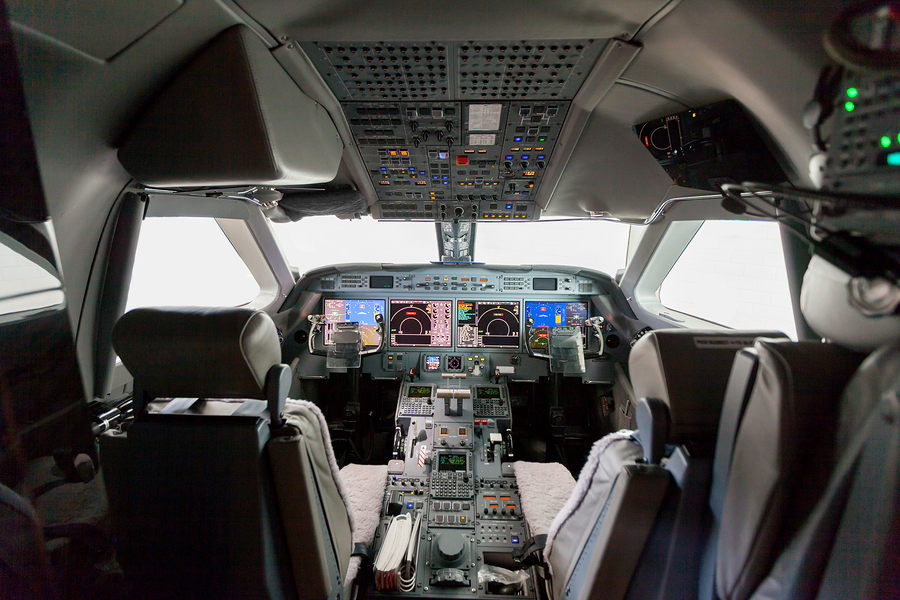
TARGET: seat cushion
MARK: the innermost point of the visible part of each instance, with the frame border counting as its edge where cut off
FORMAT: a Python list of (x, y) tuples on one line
[(544, 489), (607, 458), (365, 492)]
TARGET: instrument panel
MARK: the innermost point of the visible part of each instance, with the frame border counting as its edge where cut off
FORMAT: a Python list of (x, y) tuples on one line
[(467, 319)]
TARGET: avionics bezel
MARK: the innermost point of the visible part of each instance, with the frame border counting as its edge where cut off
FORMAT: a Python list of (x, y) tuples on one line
[(422, 301), (326, 337), (494, 301), (584, 328), (443, 455)]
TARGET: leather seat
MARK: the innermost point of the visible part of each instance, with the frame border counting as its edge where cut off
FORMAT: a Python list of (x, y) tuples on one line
[(597, 539), (812, 505), (220, 487)]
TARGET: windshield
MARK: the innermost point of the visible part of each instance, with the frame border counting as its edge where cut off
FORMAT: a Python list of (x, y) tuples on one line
[(319, 241)]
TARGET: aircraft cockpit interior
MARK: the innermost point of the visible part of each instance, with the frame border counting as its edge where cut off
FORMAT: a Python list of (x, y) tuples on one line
[(548, 300)]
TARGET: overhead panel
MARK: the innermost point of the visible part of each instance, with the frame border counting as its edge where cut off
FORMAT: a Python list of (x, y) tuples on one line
[(455, 130)]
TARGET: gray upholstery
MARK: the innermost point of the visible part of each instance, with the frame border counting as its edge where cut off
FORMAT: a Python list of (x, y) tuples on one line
[(198, 352), (782, 458), (847, 548), (201, 490), (572, 526), (688, 370), (314, 511), (825, 301), (680, 377), (233, 117)]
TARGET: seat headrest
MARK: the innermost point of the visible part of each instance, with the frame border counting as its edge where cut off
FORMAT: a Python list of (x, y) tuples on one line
[(198, 352), (688, 369), (825, 300)]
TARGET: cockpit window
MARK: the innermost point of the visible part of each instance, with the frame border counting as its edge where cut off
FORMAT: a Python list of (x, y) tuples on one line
[(188, 261), (26, 285), (598, 245), (733, 273), (318, 241)]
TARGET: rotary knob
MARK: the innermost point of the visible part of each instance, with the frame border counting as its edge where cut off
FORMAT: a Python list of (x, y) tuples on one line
[(450, 547)]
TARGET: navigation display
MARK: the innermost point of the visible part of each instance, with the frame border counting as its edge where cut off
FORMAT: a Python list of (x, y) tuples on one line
[(451, 462), (492, 324), (554, 314), (421, 323), (353, 311)]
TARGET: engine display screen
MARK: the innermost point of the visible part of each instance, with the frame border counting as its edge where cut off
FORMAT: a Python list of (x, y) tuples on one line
[(487, 393), (353, 311), (492, 324), (451, 462), (432, 362), (554, 314), (419, 391), (425, 323)]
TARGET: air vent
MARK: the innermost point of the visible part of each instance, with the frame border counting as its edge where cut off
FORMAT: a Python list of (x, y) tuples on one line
[(585, 287)]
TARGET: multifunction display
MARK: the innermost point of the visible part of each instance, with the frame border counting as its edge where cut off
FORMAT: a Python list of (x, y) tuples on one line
[(419, 391), (487, 324), (487, 393), (354, 311), (554, 314), (451, 461), (421, 323)]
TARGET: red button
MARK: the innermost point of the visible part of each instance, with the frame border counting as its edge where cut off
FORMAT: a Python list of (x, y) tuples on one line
[(462, 160)]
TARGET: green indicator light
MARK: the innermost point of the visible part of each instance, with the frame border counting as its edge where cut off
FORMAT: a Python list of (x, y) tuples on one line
[(898, 138), (885, 141), (893, 159), (852, 93), (542, 139), (849, 106)]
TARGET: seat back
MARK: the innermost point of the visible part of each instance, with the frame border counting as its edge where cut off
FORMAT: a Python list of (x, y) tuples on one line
[(204, 501), (598, 539), (782, 457)]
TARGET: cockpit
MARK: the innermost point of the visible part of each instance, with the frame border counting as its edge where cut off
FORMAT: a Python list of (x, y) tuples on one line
[(542, 300)]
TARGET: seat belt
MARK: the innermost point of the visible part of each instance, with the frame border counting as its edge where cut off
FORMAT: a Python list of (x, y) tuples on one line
[(737, 395), (845, 551)]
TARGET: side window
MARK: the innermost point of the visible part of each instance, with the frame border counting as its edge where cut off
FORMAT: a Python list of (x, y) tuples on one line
[(26, 285), (733, 273), (188, 261)]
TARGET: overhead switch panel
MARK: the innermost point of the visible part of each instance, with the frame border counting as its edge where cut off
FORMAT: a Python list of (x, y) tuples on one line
[(456, 130)]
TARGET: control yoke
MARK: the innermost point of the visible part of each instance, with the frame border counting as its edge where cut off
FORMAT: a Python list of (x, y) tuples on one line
[(595, 324), (348, 330)]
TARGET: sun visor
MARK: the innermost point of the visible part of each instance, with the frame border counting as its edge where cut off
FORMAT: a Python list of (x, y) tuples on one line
[(233, 117)]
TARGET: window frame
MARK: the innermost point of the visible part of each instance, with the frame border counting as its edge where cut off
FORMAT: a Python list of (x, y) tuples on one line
[(668, 250), (248, 231)]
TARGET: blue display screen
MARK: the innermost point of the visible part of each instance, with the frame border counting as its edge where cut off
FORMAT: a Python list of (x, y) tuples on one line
[(354, 311), (557, 314)]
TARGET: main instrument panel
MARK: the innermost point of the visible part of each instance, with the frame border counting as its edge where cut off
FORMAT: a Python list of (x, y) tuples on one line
[(460, 319)]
